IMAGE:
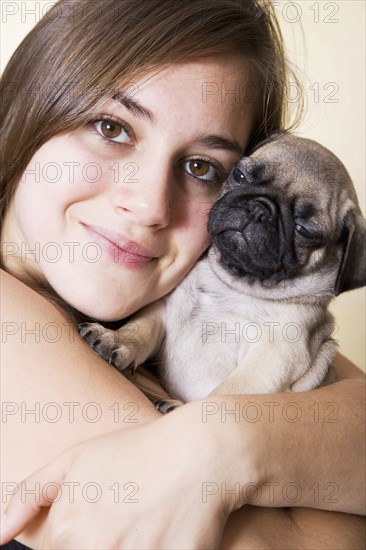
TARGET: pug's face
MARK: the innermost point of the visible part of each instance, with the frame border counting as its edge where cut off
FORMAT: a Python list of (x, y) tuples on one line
[(287, 212)]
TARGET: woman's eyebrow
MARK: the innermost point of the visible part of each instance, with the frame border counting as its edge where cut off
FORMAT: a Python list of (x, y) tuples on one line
[(134, 106), (221, 142)]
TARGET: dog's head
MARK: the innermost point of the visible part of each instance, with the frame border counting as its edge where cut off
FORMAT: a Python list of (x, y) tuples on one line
[(288, 214)]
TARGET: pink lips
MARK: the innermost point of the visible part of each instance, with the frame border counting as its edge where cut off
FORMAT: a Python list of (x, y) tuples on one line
[(118, 248)]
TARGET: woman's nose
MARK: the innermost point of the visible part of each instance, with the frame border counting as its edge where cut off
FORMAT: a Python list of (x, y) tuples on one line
[(144, 194)]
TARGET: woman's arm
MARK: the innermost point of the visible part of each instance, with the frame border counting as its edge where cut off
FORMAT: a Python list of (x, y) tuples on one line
[(196, 464), (55, 391), (47, 370), (308, 448), (151, 469), (183, 469)]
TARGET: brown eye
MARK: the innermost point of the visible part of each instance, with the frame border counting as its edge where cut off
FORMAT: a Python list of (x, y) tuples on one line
[(199, 168), (203, 170), (110, 129)]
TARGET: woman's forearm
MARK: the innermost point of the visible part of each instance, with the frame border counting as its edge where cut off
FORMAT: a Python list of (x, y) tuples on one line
[(303, 449)]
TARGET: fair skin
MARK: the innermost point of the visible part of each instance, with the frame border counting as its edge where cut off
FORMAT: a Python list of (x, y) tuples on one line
[(173, 456)]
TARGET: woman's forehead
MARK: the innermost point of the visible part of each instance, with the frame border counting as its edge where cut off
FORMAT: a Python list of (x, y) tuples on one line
[(218, 69), (215, 87)]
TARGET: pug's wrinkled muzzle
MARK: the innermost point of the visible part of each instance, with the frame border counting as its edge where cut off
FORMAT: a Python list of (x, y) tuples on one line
[(250, 234)]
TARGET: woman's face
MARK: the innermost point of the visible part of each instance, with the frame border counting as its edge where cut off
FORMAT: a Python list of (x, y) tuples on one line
[(116, 211)]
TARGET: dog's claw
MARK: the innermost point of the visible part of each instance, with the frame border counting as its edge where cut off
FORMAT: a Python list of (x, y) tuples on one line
[(112, 358), (165, 406), (119, 360), (132, 369), (171, 408), (95, 343)]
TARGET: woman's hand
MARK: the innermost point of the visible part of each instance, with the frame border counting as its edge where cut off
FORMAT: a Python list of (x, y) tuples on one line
[(140, 487)]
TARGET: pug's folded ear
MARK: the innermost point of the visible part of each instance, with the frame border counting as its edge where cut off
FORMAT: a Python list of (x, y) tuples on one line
[(352, 271)]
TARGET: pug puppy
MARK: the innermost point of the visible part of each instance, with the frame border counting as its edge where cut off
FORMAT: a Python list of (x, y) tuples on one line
[(251, 316)]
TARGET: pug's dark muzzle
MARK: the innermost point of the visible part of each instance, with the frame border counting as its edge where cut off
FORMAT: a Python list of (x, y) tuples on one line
[(253, 235)]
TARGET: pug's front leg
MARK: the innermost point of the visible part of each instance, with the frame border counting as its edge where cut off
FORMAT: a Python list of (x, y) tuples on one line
[(267, 369), (133, 343)]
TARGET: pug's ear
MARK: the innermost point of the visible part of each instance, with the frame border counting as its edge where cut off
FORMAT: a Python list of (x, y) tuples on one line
[(249, 170), (352, 272)]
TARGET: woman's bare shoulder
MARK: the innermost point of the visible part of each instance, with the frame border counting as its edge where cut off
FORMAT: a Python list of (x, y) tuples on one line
[(55, 390), (19, 299), (32, 325)]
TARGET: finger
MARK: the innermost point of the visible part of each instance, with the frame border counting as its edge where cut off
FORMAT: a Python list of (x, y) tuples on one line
[(35, 492)]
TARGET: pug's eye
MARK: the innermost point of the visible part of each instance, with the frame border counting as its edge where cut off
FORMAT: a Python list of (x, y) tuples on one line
[(303, 231), (238, 176), (309, 233)]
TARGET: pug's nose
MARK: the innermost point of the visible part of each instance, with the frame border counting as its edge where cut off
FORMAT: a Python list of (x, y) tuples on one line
[(256, 209), (262, 209)]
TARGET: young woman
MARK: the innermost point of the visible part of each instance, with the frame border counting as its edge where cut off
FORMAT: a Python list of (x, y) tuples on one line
[(120, 121)]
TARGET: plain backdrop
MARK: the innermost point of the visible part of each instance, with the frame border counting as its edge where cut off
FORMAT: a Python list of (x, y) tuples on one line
[(326, 41)]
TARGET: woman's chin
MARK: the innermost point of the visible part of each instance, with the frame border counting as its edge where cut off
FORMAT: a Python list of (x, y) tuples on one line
[(103, 311), (100, 306)]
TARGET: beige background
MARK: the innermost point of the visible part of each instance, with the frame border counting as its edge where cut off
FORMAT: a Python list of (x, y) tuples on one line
[(326, 41)]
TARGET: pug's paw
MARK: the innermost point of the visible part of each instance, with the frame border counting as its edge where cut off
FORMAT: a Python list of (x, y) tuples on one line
[(105, 343), (124, 357), (100, 339), (90, 331)]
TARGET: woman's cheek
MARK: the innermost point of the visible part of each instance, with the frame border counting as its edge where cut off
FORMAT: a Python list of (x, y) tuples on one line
[(194, 237), (72, 162)]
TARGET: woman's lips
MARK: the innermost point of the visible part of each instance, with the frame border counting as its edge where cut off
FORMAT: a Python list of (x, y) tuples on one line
[(118, 248)]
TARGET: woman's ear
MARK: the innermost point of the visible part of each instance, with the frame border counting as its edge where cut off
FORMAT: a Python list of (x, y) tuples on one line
[(352, 271)]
